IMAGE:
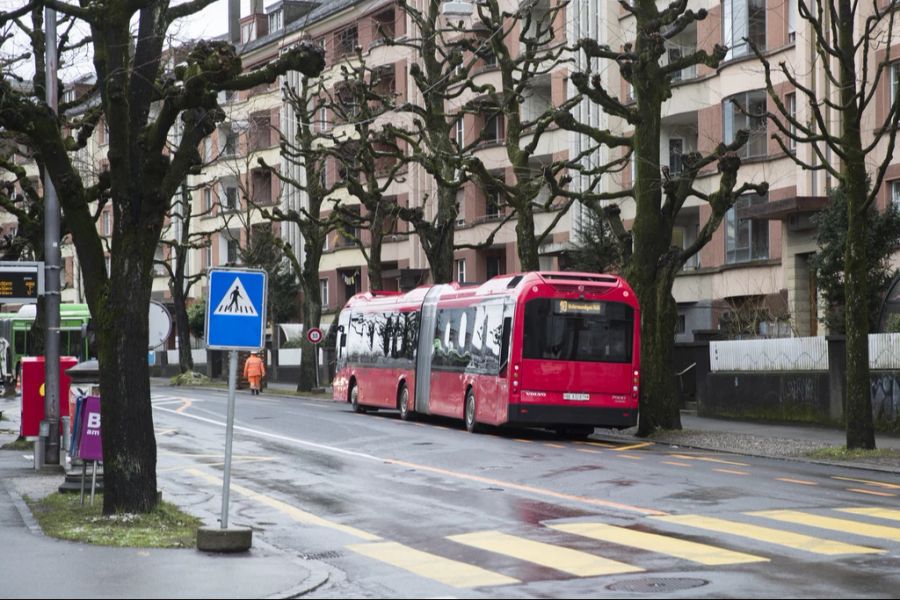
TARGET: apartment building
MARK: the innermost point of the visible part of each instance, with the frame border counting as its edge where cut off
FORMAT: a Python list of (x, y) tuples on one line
[(753, 278)]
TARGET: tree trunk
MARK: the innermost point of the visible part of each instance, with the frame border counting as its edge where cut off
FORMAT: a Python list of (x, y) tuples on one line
[(440, 239), (528, 247), (660, 407), (182, 326), (312, 317), (129, 445), (858, 403)]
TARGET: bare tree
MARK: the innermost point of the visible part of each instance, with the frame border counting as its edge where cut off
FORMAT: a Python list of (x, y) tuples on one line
[(653, 261), (140, 101), (852, 42)]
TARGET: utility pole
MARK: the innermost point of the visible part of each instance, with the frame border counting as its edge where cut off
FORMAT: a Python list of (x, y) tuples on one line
[(51, 265)]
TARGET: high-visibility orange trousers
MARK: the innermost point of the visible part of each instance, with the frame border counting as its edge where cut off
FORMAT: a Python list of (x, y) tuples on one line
[(255, 380)]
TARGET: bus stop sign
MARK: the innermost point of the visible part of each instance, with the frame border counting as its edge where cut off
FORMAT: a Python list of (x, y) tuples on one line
[(236, 309)]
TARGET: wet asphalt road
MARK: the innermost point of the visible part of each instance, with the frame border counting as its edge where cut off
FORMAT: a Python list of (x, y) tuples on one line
[(425, 509)]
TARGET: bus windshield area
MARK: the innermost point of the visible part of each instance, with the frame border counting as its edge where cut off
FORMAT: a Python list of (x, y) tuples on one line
[(578, 330)]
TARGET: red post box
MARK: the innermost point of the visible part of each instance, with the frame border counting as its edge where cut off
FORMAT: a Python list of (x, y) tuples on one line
[(33, 392)]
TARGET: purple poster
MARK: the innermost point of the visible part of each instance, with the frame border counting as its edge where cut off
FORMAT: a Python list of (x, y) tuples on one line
[(90, 445)]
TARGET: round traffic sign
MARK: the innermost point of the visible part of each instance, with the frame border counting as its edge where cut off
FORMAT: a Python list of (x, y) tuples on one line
[(314, 335)]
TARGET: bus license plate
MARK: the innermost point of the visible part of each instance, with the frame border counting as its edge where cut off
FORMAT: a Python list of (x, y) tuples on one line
[(579, 397)]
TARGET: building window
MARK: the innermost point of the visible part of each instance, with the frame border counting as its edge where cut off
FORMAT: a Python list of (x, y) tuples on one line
[(747, 111), (108, 265), (207, 149), (234, 248), (461, 270), (460, 133), (492, 205), (895, 81), (346, 41), (229, 197), (106, 223), (745, 239), (384, 26), (743, 20), (323, 118), (895, 193), (790, 103), (229, 141), (207, 200), (207, 256), (276, 20), (494, 266), (323, 292), (676, 154), (248, 32), (493, 129), (792, 20)]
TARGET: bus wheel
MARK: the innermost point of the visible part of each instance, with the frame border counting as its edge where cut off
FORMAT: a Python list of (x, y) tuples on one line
[(403, 403), (471, 422), (354, 400)]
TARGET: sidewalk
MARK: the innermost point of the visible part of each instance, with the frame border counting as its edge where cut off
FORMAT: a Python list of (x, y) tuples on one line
[(35, 566)]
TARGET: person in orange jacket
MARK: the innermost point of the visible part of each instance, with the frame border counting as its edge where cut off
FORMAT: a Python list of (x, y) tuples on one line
[(254, 371)]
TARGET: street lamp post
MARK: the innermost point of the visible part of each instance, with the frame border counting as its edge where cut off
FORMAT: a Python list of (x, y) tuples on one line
[(51, 266)]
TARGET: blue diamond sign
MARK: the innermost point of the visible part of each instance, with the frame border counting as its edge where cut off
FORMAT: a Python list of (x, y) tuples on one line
[(236, 309)]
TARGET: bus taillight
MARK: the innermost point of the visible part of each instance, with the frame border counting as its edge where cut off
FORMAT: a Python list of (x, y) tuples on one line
[(515, 378), (634, 389)]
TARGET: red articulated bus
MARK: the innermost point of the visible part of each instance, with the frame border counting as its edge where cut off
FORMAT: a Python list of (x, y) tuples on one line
[(556, 350)]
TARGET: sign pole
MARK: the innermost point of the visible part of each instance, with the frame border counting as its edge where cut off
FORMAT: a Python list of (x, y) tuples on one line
[(229, 434)]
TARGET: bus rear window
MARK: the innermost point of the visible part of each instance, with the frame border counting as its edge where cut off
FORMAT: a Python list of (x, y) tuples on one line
[(582, 331)]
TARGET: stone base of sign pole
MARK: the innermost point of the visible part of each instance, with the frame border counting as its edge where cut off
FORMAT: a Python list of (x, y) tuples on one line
[(232, 539)]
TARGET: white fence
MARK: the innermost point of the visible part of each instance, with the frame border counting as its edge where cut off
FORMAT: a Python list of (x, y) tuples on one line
[(796, 354), (287, 357), (779, 354)]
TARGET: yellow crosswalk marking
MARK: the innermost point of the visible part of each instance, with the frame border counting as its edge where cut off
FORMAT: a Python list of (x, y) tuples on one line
[(772, 536), (692, 551), (451, 572), (708, 459), (891, 514), (633, 446), (574, 562), (842, 525)]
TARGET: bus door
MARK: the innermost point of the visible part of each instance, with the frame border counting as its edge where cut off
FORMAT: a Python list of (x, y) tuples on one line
[(425, 348)]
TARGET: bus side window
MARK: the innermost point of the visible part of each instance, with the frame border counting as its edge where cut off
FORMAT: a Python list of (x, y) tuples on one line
[(504, 348)]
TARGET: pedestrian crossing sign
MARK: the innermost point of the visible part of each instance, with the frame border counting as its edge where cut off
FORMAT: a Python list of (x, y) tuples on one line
[(236, 309)]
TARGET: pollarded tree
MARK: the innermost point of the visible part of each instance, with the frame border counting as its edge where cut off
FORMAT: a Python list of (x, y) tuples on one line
[(853, 42), (305, 146), (658, 194), (140, 101)]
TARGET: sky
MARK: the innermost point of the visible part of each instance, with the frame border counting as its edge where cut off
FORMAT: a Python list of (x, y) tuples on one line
[(210, 22)]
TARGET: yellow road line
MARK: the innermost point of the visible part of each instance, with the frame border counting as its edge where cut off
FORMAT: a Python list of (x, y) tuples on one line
[(797, 481), (879, 513), (692, 551), (677, 464), (589, 451), (295, 513), (522, 440), (830, 523), (731, 471), (872, 492), (451, 572), (633, 446), (892, 486), (549, 445), (574, 562), (601, 444), (768, 535), (632, 457), (708, 459)]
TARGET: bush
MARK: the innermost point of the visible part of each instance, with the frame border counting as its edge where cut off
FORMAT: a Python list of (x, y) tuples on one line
[(190, 378)]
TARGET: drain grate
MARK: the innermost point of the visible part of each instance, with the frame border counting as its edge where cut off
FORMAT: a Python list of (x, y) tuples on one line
[(657, 585), (328, 554)]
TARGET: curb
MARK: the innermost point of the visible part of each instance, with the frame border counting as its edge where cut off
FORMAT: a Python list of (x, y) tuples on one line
[(25, 513), (318, 575)]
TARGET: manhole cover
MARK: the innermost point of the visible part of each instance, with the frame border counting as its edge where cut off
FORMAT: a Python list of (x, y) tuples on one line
[(657, 585), (322, 555)]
